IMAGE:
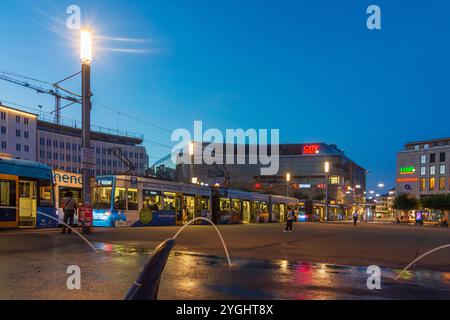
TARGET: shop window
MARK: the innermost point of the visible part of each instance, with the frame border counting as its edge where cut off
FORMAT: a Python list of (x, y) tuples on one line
[(422, 184), (432, 184), (441, 183)]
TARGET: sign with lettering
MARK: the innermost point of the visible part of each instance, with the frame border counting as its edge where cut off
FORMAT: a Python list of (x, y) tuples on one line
[(311, 149), (407, 170)]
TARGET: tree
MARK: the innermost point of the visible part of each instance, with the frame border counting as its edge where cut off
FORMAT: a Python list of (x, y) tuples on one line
[(439, 202), (406, 202)]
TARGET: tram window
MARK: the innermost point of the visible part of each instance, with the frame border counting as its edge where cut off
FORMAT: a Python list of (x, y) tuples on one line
[(264, 207), (7, 193), (152, 200), (224, 204), (26, 190), (102, 198), (236, 205), (45, 193), (255, 207), (169, 201), (204, 204), (132, 195), (119, 199)]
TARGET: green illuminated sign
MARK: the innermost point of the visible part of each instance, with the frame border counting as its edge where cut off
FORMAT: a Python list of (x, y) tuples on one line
[(407, 170)]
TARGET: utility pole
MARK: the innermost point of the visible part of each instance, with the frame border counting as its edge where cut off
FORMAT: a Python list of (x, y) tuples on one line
[(86, 152)]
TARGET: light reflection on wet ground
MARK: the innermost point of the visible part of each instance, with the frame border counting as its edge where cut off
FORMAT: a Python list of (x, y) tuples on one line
[(200, 276), (109, 273)]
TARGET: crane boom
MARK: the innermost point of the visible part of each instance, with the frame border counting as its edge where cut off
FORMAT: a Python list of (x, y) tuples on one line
[(72, 98)]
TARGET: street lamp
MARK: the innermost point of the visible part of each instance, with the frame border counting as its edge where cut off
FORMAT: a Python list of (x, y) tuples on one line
[(288, 180), (327, 171), (87, 156)]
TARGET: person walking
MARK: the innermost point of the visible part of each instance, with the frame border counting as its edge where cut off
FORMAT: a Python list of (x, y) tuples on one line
[(355, 217), (70, 207), (290, 220)]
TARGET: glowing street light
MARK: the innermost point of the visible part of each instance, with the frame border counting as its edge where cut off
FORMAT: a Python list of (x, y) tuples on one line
[(195, 180), (86, 47), (327, 171), (381, 185), (288, 180)]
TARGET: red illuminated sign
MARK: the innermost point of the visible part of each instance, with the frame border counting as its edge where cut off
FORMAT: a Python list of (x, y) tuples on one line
[(311, 149), (258, 185)]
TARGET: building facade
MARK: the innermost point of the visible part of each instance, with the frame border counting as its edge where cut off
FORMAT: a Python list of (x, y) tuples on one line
[(24, 136), (304, 162), (423, 168), (59, 146), (18, 133)]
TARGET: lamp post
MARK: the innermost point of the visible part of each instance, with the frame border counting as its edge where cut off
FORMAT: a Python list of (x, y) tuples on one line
[(288, 180), (86, 152), (327, 171)]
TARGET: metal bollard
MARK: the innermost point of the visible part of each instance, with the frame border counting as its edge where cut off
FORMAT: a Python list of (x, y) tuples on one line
[(146, 285)]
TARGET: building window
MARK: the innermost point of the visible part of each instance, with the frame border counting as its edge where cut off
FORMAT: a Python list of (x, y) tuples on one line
[(441, 183), (18, 119), (27, 148), (61, 144), (416, 147), (442, 157), (3, 144), (55, 144), (426, 146), (74, 146), (49, 155), (3, 130), (49, 143), (68, 146), (18, 133), (432, 170), (25, 121), (26, 134), (3, 115), (432, 158), (423, 159), (18, 147), (62, 156), (68, 157), (42, 141), (97, 150), (423, 171), (422, 184), (442, 169), (432, 183)]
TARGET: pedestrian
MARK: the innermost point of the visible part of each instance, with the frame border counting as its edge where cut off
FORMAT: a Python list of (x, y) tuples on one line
[(70, 207), (290, 220), (355, 217)]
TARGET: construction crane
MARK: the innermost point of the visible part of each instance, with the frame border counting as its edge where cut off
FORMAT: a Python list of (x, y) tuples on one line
[(119, 154), (71, 97)]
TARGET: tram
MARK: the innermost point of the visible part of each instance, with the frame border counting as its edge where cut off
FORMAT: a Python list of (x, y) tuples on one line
[(26, 191)]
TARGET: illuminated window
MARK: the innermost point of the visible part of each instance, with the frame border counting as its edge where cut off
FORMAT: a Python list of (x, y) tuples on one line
[(423, 159), (442, 169), (441, 183), (422, 184), (335, 180), (423, 171), (432, 183), (432, 170)]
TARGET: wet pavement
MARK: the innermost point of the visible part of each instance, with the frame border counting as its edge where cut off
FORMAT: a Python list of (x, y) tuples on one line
[(109, 272)]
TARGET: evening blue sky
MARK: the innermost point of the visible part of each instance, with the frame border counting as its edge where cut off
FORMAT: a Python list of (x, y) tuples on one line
[(310, 68)]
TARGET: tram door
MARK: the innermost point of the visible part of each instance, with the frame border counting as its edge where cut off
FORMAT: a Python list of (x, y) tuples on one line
[(9, 200), (27, 203), (179, 208), (246, 210)]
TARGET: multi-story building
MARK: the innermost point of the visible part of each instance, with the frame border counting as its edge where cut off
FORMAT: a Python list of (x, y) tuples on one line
[(423, 167), (60, 147), (384, 209), (24, 136), (17, 133), (304, 163)]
